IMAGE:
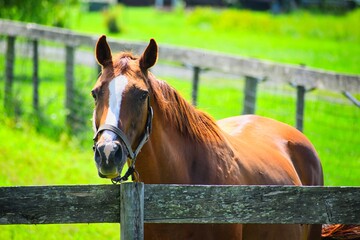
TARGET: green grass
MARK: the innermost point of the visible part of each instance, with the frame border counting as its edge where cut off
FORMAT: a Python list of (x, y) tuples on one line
[(29, 158), (321, 41), (40, 151)]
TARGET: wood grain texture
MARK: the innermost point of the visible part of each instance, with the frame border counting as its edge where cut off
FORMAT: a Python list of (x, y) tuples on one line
[(182, 204), (59, 204), (251, 204), (132, 210), (275, 72)]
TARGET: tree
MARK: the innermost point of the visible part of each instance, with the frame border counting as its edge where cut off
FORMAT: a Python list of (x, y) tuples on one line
[(49, 12)]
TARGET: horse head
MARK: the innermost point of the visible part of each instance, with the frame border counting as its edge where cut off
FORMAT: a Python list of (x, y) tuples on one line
[(122, 115)]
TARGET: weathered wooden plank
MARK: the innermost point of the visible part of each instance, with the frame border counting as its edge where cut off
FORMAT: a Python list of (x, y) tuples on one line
[(271, 71), (251, 204), (59, 204), (275, 72), (132, 211), (182, 204), (35, 31)]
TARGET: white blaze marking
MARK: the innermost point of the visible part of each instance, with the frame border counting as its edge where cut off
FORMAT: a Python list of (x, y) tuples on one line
[(116, 89), (107, 150), (93, 122)]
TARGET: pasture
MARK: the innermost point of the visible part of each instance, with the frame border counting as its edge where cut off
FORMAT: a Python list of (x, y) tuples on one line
[(316, 40), (41, 152)]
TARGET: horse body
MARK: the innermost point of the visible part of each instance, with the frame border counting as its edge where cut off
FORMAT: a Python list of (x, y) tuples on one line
[(246, 150), (187, 146)]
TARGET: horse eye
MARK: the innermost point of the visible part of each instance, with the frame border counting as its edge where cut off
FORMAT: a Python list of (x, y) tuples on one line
[(144, 95), (94, 94)]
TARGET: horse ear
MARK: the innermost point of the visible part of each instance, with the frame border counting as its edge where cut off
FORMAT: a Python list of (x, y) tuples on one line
[(103, 52), (149, 56)]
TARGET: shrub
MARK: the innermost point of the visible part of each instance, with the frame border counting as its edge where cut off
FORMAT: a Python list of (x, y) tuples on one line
[(112, 18), (48, 12)]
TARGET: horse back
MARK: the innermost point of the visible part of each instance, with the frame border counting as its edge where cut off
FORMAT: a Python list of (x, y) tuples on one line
[(277, 152)]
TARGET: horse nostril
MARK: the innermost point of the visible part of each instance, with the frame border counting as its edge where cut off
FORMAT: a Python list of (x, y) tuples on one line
[(108, 153), (119, 153), (97, 155), (110, 158)]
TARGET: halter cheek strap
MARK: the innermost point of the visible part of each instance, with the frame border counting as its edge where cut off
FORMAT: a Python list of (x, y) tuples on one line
[(131, 154)]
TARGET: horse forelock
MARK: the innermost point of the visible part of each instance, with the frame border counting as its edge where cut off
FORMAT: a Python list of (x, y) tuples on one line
[(121, 65), (122, 62), (190, 121)]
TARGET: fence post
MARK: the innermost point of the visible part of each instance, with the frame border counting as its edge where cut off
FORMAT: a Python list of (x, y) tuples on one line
[(35, 76), (300, 104), (250, 95), (132, 211), (195, 85), (9, 73), (69, 75)]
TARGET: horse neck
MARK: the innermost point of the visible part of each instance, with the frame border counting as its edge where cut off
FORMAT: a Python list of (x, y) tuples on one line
[(179, 152)]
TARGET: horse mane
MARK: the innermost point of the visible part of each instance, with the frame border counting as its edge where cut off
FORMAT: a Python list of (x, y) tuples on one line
[(190, 121)]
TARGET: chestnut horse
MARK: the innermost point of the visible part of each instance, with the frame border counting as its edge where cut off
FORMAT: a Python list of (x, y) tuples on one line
[(182, 145)]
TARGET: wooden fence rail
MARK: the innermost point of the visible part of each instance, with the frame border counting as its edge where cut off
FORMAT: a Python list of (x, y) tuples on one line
[(133, 204), (253, 69)]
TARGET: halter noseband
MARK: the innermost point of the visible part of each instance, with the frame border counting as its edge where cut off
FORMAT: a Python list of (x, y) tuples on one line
[(131, 154)]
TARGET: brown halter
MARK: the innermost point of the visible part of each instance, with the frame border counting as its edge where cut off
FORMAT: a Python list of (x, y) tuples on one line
[(131, 154)]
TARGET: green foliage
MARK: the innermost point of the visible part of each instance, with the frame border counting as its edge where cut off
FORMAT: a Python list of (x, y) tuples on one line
[(112, 17), (203, 16), (300, 24), (50, 12)]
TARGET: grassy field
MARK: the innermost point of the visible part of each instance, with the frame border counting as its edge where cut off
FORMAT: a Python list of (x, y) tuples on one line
[(40, 151), (322, 41)]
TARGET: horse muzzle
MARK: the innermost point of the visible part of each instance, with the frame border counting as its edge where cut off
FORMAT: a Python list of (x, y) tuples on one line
[(110, 158)]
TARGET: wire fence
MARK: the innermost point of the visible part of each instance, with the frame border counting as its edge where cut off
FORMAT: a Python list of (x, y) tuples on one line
[(330, 120)]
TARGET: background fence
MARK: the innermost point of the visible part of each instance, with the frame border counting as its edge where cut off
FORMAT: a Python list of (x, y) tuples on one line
[(254, 70), (275, 90), (133, 204)]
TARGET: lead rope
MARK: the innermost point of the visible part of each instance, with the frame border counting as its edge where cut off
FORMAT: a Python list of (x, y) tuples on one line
[(129, 172)]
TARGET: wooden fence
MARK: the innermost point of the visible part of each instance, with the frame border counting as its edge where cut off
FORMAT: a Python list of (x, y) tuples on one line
[(303, 78), (133, 204)]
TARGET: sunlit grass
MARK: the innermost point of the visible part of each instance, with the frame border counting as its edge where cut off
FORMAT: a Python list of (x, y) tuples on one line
[(321, 41), (44, 153)]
